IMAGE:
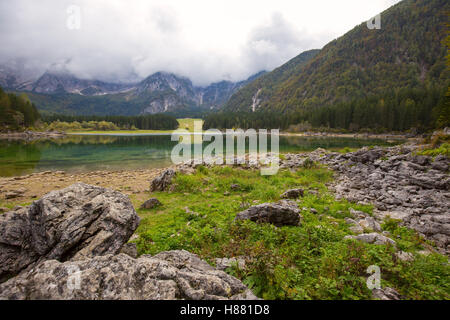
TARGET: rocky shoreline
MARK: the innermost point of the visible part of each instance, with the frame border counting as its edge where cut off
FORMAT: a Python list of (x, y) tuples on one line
[(86, 227), (414, 189)]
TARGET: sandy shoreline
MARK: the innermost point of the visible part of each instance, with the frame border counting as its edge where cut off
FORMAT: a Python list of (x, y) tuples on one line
[(25, 189)]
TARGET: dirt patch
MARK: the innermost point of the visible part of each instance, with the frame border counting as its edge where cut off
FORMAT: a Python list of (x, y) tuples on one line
[(30, 187)]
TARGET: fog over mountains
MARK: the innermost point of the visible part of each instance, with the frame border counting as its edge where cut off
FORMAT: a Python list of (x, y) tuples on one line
[(60, 91)]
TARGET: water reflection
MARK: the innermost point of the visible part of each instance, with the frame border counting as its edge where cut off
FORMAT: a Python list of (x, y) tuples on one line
[(99, 152)]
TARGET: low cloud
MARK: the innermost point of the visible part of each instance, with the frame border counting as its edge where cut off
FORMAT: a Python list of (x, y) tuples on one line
[(129, 40)]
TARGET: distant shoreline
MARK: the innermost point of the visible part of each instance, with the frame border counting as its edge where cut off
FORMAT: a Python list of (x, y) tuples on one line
[(33, 135), (291, 134)]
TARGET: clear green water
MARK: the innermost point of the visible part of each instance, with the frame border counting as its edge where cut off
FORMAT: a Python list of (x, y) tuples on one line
[(79, 153)]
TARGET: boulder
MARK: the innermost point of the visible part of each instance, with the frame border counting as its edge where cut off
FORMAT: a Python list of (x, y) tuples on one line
[(386, 294), (74, 223), (404, 256), (168, 275), (374, 238), (282, 213), (292, 194), (130, 249), (162, 182), (151, 203)]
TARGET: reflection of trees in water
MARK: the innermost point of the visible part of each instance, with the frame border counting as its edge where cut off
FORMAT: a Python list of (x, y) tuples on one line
[(88, 152), (13, 153)]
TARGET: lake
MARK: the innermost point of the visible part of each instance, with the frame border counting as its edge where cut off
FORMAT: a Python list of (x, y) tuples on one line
[(81, 153)]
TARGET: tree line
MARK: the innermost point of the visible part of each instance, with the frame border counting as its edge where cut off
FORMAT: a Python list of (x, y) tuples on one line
[(143, 122), (16, 112), (396, 110)]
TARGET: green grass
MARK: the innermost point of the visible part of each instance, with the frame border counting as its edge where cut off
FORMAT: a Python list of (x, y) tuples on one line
[(186, 123), (444, 149), (311, 261)]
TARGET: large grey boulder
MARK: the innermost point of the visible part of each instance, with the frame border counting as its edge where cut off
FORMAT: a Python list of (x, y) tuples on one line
[(74, 223), (281, 213), (167, 275), (163, 181)]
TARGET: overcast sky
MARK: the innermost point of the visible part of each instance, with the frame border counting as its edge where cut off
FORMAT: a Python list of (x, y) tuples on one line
[(205, 40)]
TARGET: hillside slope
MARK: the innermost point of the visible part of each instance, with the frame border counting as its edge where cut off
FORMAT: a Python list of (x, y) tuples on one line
[(403, 60)]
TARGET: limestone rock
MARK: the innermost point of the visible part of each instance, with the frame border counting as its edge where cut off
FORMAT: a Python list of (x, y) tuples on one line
[(279, 214), (130, 249), (77, 222), (292, 194), (386, 294), (374, 238), (151, 203), (162, 182), (167, 275)]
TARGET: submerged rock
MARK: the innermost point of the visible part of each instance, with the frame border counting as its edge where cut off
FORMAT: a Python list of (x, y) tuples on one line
[(168, 275), (77, 222), (281, 213)]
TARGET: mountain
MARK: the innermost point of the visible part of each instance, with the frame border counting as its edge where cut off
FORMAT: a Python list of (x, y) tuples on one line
[(402, 60), (217, 94), (62, 92), (51, 83), (256, 93)]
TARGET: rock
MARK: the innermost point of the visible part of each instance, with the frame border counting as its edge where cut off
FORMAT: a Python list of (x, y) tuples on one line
[(226, 193), (151, 203), (189, 211), (235, 187), (292, 194), (74, 223), (4, 209), (314, 211), (374, 238), (12, 195), (354, 226), (129, 249), (167, 275), (224, 263), (404, 256), (162, 182), (370, 223), (357, 214), (282, 213), (385, 294)]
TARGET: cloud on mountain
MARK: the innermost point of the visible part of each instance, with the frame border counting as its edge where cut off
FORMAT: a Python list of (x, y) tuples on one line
[(204, 40)]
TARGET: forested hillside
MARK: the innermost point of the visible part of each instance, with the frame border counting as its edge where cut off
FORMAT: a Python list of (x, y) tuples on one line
[(394, 78), (259, 91), (16, 112)]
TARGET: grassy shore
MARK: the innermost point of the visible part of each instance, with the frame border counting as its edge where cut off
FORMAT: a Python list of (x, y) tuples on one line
[(186, 123), (310, 261)]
